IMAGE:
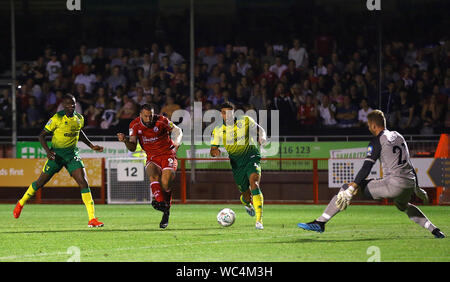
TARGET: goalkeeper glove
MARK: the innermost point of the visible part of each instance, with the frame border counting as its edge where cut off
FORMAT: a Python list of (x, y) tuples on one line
[(344, 197)]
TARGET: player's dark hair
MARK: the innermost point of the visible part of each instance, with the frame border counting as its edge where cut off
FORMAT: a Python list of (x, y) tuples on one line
[(148, 107), (377, 117), (68, 97), (227, 105)]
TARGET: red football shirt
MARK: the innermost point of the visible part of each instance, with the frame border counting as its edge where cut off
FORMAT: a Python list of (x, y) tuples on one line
[(155, 140)]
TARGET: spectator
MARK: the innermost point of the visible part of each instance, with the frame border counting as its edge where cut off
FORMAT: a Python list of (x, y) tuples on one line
[(156, 54), (78, 66), (241, 97), (338, 66), (307, 114), (431, 116), (268, 75), (346, 113), (53, 67), (25, 73), (278, 68), (286, 107), (298, 54), (135, 60), (83, 98), (327, 112), (86, 78), (269, 55), (257, 99), (92, 117), (118, 59), (174, 57), (319, 69), (126, 113), (85, 57), (39, 69), (210, 58), (100, 63), (229, 55), (405, 113), (33, 117), (363, 112), (139, 99), (292, 74), (109, 116), (215, 95), (49, 97), (116, 79), (169, 107), (242, 64), (233, 76)]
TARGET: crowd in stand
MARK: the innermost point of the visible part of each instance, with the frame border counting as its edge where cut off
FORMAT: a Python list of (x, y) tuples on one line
[(313, 87)]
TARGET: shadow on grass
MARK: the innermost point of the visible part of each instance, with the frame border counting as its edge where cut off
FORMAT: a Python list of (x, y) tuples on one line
[(108, 230)]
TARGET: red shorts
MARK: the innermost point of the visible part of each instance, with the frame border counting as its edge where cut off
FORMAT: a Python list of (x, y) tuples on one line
[(163, 162)]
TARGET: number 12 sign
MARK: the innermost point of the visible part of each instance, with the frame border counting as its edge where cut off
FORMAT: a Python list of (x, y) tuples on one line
[(130, 172)]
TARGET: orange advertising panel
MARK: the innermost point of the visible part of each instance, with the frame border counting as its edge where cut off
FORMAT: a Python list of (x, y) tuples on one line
[(22, 172)]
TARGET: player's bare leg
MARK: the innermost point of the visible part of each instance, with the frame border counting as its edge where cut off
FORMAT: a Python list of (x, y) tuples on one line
[(257, 197), (246, 200), (80, 177), (39, 183)]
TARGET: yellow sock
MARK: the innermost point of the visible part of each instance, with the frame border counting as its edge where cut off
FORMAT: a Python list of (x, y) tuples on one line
[(88, 202), (258, 202), (28, 194)]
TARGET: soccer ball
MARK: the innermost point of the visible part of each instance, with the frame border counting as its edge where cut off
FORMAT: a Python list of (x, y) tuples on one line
[(226, 217)]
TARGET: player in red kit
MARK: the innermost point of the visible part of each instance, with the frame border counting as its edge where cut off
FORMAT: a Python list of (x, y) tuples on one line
[(159, 138)]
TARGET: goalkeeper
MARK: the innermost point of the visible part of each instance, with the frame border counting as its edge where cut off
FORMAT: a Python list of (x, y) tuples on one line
[(235, 134), (66, 128), (399, 182)]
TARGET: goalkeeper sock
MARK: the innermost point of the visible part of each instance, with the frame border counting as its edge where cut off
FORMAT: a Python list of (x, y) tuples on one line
[(88, 202), (416, 215), (258, 202), (28, 194), (156, 191), (331, 210)]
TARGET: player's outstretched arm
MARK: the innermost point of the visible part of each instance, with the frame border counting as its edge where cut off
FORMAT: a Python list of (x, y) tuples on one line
[(86, 141), (130, 143)]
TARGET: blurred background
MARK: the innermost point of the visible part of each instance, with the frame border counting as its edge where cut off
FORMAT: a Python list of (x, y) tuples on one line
[(323, 64)]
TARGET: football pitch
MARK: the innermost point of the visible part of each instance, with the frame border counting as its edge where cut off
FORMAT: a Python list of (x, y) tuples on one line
[(59, 233)]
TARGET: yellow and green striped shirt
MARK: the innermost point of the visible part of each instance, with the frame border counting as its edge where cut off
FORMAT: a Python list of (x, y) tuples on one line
[(66, 130), (239, 139)]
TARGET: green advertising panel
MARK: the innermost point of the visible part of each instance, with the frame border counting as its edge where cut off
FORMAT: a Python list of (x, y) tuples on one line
[(285, 150)]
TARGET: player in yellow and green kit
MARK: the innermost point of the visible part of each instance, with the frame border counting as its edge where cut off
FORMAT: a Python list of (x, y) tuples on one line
[(238, 136), (66, 127)]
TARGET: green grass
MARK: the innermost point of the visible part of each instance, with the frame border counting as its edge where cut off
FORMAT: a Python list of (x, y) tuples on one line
[(132, 233)]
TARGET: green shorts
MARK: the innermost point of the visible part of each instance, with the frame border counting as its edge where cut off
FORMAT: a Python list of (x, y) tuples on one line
[(68, 158), (242, 172)]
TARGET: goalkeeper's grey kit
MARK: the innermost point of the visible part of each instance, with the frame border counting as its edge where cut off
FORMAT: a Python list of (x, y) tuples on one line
[(399, 183), (399, 178)]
